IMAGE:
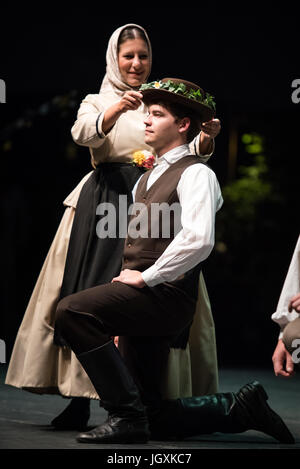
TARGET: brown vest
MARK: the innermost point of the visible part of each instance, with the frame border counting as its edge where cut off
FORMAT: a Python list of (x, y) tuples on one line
[(141, 252)]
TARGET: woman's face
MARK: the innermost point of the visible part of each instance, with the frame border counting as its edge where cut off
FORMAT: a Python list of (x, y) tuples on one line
[(134, 62)]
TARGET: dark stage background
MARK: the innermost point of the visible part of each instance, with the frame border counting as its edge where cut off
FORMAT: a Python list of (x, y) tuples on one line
[(51, 60)]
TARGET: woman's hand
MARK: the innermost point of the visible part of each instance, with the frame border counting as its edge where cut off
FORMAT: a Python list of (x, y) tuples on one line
[(131, 100), (211, 128)]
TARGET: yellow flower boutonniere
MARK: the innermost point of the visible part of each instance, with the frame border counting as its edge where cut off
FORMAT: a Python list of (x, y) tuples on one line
[(143, 159)]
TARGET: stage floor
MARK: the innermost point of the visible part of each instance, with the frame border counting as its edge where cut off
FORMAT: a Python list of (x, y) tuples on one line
[(25, 418)]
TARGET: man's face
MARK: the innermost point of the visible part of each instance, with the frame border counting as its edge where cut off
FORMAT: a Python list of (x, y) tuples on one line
[(162, 130)]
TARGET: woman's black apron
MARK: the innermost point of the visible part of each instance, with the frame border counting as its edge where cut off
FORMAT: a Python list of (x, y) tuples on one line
[(93, 260)]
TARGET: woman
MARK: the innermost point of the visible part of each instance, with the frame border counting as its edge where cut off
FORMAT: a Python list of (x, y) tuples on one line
[(78, 259)]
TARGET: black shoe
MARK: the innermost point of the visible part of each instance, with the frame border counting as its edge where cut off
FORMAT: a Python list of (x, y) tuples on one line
[(117, 430), (127, 421), (253, 411), (74, 417)]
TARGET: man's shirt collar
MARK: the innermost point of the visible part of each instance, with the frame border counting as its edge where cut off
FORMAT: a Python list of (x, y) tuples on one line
[(174, 155)]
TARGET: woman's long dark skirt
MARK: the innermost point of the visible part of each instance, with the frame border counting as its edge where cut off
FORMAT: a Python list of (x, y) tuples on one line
[(93, 260)]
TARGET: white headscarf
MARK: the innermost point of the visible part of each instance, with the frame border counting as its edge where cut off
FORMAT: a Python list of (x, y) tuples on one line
[(113, 79)]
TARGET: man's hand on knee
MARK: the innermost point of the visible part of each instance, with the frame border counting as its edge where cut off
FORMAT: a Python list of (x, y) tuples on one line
[(130, 277)]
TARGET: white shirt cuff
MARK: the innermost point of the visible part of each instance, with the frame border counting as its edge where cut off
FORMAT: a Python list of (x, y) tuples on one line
[(195, 150), (151, 276), (208, 155), (99, 121)]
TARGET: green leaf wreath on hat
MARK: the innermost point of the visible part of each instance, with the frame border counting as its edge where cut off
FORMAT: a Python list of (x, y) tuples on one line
[(181, 88)]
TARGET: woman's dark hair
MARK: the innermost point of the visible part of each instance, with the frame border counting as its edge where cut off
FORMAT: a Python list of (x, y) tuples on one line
[(132, 32)]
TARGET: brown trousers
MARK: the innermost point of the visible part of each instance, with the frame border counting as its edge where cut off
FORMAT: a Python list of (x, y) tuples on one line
[(89, 318), (150, 318)]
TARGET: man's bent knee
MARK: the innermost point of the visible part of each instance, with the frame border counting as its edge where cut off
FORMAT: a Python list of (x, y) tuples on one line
[(81, 331), (63, 314)]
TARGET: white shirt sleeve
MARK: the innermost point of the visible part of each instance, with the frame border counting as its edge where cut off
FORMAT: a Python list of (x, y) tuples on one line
[(200, 197), (87, 129), (194, 147), (290, 288)]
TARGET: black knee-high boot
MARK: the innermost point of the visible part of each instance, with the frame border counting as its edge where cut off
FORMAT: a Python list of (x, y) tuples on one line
[(127, 421), (222, 412)]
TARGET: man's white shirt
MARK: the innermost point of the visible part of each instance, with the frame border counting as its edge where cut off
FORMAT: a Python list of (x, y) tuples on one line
[(200, 198)]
